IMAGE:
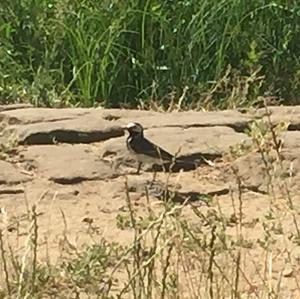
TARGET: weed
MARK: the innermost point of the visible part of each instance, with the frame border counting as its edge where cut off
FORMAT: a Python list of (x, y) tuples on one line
[(169, 55), (8, 140)]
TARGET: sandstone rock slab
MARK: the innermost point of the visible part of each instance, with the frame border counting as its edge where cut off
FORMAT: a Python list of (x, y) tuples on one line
[(11, 174), (289, 114), (291, 139), (85, 129), (39, 115), (189, 144), (149, 119), (68, 164), (228, 118), (258, 175)]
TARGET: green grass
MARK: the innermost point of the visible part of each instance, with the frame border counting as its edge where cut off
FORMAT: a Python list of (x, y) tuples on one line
[(116, 53)]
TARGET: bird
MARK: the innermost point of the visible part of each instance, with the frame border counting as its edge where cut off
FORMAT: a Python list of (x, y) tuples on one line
[(144, 150)]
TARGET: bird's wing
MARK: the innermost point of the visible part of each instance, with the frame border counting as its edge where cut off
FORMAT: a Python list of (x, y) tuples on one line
[(146, 147)]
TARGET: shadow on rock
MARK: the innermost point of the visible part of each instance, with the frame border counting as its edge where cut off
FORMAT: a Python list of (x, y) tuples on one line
[(185, 163), (163, 193), (182, 197)]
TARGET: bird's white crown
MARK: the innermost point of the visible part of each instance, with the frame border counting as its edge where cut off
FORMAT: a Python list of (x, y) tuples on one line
[(131, 125)]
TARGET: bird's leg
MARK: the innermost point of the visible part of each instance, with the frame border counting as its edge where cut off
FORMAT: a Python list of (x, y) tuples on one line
[(154, 176), (139, 168)]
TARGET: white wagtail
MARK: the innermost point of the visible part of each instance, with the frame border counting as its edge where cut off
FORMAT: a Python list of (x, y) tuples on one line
[(144, 150)]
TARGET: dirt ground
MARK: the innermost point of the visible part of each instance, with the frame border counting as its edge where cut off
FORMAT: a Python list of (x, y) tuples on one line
[(79, 195)]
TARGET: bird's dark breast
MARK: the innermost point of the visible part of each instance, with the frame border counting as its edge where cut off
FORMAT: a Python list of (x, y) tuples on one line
[(134, 144), (143, 146)]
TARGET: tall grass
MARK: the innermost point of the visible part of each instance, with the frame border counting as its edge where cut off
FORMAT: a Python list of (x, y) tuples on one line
[(125, 53)]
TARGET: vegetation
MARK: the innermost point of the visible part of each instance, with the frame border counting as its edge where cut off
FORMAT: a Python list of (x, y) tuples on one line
[(208, 53)]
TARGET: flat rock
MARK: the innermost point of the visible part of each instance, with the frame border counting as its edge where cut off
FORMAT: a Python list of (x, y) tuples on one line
[(289, 114), (81, 125), (39, 115), (291, 139), (46, 115), (67, 164), (191, 190), (253, 171), (11, 174), (232, 118), (195, 142), (85, 129), (190, 135), (228, 118), (189, 144)]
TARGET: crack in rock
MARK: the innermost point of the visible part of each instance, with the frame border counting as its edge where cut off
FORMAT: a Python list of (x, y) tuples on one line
[(14, 107), (77, 179), (294, 127), (70, 136), (237, 127), (11, 191)]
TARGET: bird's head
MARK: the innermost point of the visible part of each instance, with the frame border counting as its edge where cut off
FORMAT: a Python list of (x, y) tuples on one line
[(135, 129)]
